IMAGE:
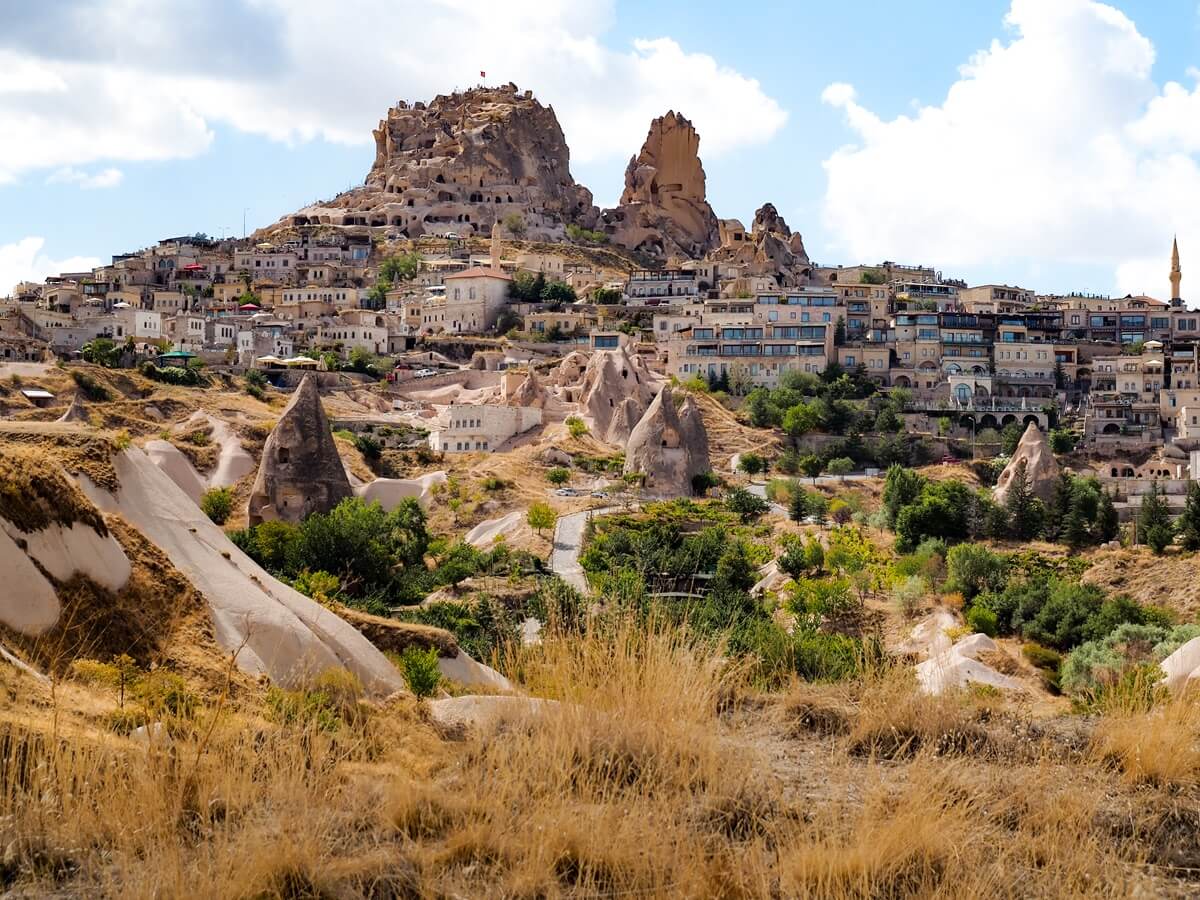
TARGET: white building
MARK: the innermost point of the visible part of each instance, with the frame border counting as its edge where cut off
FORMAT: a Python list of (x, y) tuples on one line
[(483, 428)]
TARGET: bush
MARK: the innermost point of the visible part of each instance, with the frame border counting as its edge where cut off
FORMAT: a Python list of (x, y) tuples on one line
[(752, 463), (576, 427), (420, 670), (746, 505), (217, 504), (90, 388), (492, 484), (982, 619), (908, 594), (558, 475), (973, 569), (826, 657), (541, 516)]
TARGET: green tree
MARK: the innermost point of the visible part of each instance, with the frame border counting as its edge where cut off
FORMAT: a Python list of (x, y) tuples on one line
[(746, 505), (1025, 511), (401, 267), (541, 516), (840, 466), (752, 463), (606, 296), (558, 475), (839, 332), (1189, 521), (759, 410), (217, 504), (811, 465), (1155, 527), (1108, 524), (901, 487), (798, 505), (1060, 506), (1010, 436), (800, 419)]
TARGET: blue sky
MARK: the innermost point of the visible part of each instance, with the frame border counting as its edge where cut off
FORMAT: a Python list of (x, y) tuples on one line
[(273, 133)]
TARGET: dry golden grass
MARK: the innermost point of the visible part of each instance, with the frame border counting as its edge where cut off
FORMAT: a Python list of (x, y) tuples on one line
[(1158, 747), (655, 773)]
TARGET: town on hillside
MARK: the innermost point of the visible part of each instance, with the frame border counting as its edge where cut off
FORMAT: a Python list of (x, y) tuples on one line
[(456, 537)]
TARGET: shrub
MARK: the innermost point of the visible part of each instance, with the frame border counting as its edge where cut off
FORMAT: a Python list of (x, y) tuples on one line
[(558, 475), (217, 504), (826, 657), (492, 484), (321, 586), (541, 516), (703, 482), (90, 388), (908, 594), (752, 463), (746, 505), (982, 619), (576, 427), (420, 670), (840, 511), (973, 569), (1041, 657)]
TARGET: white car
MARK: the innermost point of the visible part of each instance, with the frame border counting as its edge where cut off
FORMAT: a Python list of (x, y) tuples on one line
[(424, 373), (451, 235)]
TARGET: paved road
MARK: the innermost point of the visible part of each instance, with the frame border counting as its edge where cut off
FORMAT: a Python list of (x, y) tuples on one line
[(568, 540)]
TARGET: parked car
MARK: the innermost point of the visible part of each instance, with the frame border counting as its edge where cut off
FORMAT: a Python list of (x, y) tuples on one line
[(566, 492), (424, 373), (451, 235)]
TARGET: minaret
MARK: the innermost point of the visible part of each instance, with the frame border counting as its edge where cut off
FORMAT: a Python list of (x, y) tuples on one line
[(1176, 272), (496, 245)]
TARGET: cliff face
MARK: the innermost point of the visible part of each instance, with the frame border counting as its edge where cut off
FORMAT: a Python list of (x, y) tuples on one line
[(462, 163), (663, 209)]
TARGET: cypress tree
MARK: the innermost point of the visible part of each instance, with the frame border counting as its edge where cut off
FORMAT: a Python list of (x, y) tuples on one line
[(1155, 528), (1108, 525), (1189, 522), (1025, 511)]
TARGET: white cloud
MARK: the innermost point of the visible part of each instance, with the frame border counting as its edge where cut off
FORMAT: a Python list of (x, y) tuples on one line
[(1055, 147), (106, 178), (25, 261), (91, 89)]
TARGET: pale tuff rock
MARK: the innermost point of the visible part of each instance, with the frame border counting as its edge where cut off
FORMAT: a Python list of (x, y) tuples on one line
[(485, 534), (1182, 667), (663, 209), (570, 370), (950, 664), (616, 389), (390, 492), (1041, 468), (668, 447), (275, 630), (464, 162), (529, 393), (29, 604), (64, 551), (178, 467), (769, 250), (301, 472)]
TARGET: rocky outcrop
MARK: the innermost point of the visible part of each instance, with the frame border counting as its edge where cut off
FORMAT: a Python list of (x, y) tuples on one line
[(301, 472), (663, 210), (461, 163), (616, 390), (529, 393), (668, 447), (1041, 468), (770, 249)]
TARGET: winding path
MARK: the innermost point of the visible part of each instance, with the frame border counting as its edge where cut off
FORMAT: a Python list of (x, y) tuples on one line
[(568, 541)]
